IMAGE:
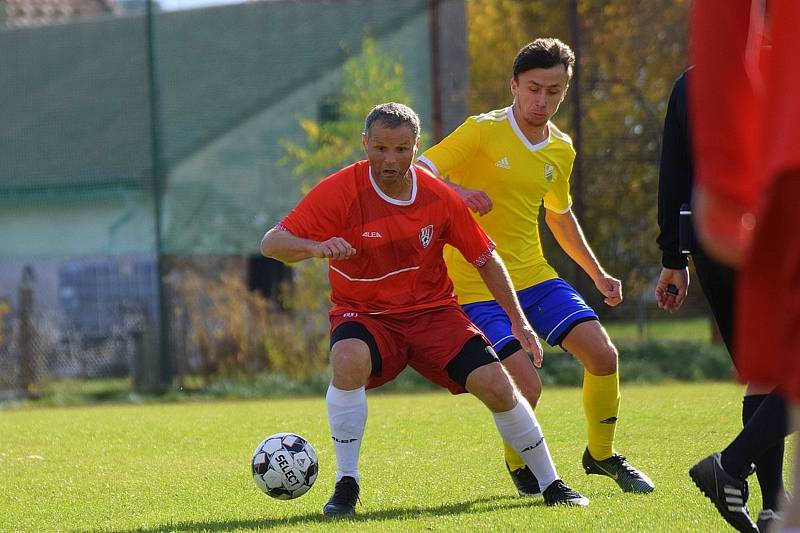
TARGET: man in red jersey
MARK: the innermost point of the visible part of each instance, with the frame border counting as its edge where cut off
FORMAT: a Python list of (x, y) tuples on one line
[(745, 102), (382, 224)]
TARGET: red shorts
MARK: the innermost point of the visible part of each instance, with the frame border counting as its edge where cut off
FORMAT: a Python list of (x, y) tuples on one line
[(425, 340), (768, 295)]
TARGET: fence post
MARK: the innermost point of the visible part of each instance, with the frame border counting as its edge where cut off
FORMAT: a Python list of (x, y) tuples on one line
[(449, 65), (26, 333), (147, 368), (162, 364)]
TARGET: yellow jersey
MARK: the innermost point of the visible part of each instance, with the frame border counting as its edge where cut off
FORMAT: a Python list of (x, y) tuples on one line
[(489, 152)]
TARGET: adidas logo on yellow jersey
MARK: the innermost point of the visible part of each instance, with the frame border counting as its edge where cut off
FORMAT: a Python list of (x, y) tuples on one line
[(503, 163)]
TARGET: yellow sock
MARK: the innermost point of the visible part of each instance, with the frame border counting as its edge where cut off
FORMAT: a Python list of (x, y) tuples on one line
[(601, 407), (513, 459)]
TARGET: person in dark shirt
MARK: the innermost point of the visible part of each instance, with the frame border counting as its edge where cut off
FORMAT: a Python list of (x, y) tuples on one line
[(764, 413)]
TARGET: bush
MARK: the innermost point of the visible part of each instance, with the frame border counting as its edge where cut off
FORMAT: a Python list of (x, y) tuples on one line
[(232, 332), (650, 362), (654, 361), (268, 386)]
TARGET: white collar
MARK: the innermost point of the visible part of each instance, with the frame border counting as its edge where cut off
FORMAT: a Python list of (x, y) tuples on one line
[(518, 131), (395, 201)]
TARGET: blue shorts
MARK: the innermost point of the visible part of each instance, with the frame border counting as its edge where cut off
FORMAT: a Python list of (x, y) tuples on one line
[(553, 308)]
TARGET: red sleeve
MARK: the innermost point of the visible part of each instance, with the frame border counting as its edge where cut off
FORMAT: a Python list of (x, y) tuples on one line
[(320, 214), (464, 233), (723, 102)]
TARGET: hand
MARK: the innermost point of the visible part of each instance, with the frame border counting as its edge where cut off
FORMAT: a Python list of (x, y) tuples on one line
[(666, 297), (724, 228), (334, 248), (477, 200), (529, 340), (611, 288)]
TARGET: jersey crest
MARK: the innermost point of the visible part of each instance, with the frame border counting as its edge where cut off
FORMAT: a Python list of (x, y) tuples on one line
[(548, 172), (426, 235)]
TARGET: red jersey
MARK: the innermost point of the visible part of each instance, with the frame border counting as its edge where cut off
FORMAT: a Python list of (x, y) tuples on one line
[(744, 101), (398, 264), (746, 119)]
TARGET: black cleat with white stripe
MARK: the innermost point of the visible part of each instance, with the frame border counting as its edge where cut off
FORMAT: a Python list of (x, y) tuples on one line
[(728, 493), (617, 468)]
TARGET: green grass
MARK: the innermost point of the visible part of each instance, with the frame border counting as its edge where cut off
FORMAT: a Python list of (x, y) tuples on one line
[(429, 462), (695, 329)]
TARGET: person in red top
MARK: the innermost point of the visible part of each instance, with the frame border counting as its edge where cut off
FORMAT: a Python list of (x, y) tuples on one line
[(400, 266), (745, 102), (382, 224)]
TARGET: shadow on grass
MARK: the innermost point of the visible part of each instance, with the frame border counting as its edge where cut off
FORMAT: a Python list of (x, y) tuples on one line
[(480, 505)]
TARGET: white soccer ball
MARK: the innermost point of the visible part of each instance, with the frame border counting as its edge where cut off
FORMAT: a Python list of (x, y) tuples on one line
[(284, 466)]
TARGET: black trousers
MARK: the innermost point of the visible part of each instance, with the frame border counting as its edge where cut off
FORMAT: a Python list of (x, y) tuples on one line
[(719, 285)]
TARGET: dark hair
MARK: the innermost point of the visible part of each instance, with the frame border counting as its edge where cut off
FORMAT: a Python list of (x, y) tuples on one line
[(392, 115), (544, 53)]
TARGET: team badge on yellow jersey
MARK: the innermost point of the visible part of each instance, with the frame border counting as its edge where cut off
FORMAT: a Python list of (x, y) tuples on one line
[(548, 172)]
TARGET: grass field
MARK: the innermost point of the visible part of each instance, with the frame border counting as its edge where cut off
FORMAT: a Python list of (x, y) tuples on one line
[(429, 462), (692, 329), (695, 329)]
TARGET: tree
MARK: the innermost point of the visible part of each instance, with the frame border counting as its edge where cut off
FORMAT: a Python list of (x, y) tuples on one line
[(496, 30), (368, 79), (631, 55)]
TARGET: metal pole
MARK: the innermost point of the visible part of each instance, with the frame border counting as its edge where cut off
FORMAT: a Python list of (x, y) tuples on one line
[(577, 172), (436, 87), (164, 370)]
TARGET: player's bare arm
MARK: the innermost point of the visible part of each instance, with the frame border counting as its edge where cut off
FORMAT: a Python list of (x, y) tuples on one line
[(498, 281), (477, 200), (569, 235), (289, 248)]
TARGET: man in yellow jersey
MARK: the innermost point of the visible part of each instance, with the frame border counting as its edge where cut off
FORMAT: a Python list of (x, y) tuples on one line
[(505, 164)]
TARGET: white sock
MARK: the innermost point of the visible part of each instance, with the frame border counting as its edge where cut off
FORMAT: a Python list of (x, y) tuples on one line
[(347, 416), (521, 430)]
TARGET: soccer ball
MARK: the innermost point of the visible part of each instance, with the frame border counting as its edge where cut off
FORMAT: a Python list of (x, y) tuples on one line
[(284, 466)]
